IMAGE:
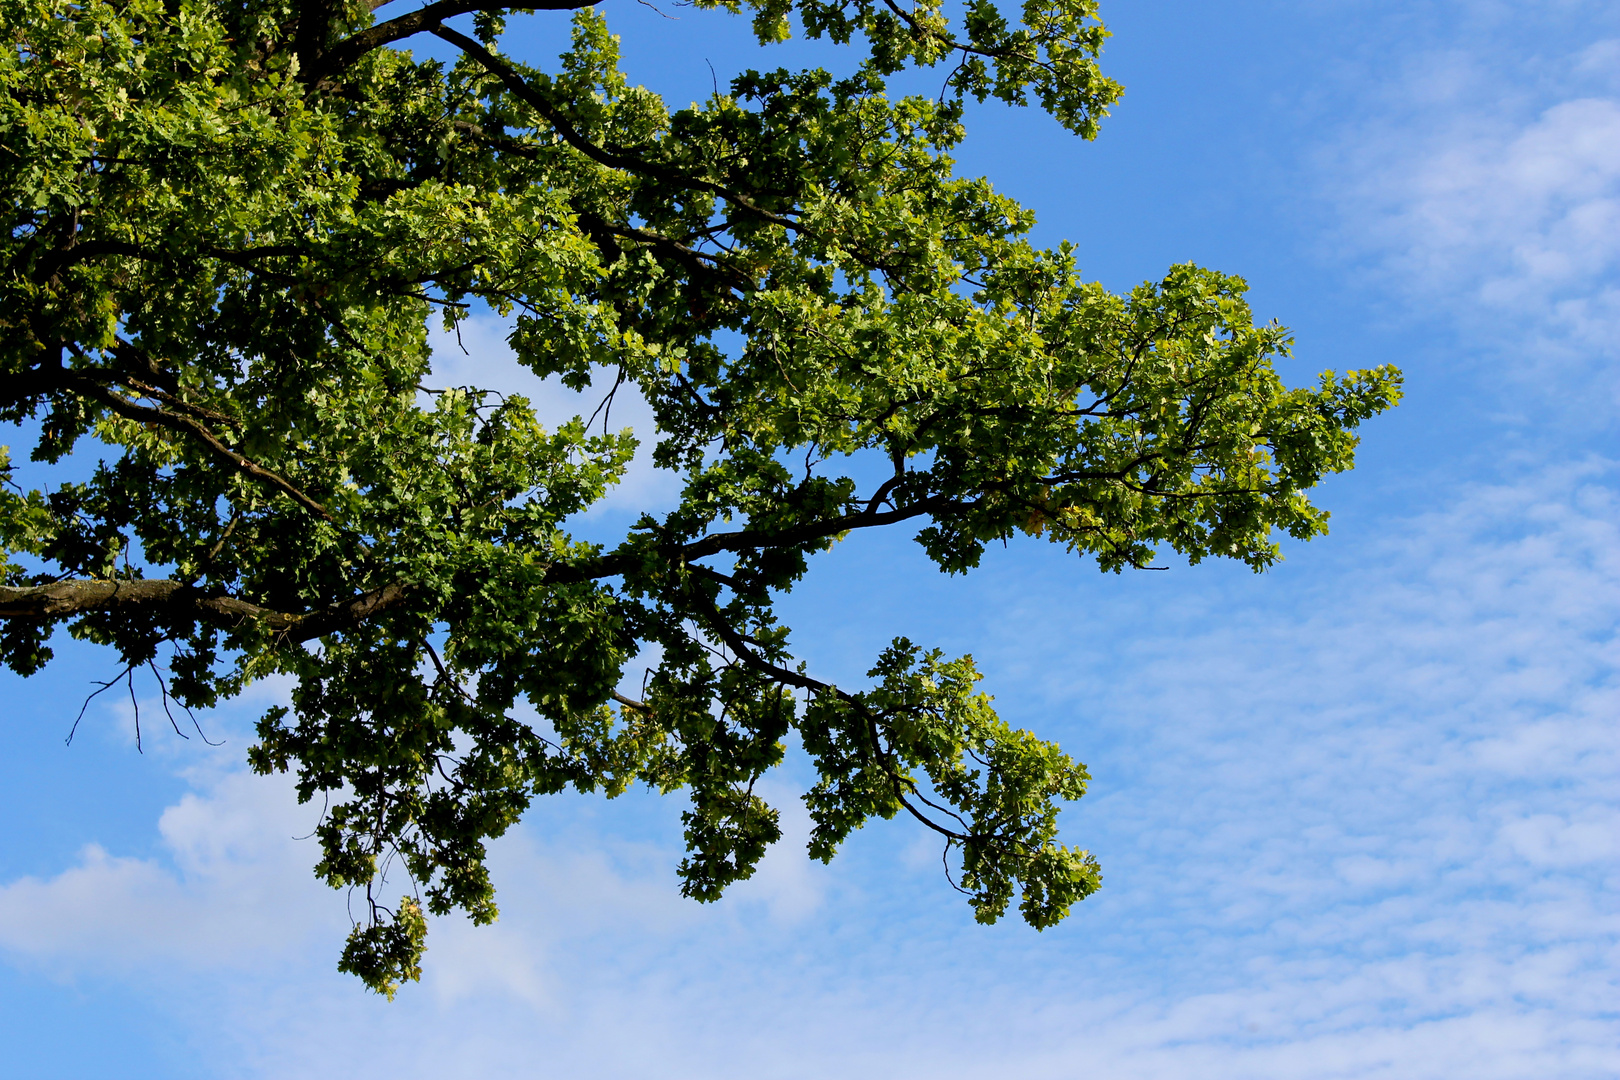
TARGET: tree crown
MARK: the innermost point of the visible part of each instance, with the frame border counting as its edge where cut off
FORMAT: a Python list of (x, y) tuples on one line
[(232, 224)]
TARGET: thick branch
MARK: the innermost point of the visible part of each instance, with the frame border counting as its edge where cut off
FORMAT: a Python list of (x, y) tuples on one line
[(427, 18), (65, 599), (525, 93), (69, 598), (755, 539)]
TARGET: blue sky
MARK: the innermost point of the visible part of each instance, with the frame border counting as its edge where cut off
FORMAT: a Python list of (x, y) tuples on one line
[(1357, 816)]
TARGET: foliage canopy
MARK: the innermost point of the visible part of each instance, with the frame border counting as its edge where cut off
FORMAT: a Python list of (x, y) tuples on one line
[(231, 224)]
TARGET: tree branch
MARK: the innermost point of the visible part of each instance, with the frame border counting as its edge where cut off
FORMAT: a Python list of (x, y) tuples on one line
[(741, 648), (754, 539), (187, 425), (520, 89), (427, 18), (65, 599)]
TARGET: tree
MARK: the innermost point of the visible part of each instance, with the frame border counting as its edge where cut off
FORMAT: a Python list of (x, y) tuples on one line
[(231, 223)]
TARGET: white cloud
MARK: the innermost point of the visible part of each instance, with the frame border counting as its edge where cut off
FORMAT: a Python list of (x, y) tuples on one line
[(1522, 214), (1484, 185), (234, 890)]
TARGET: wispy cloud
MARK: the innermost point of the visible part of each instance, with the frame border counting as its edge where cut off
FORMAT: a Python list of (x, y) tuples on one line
[(1394, 801), (234, 892), (1367, 835), (1482, 184)]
